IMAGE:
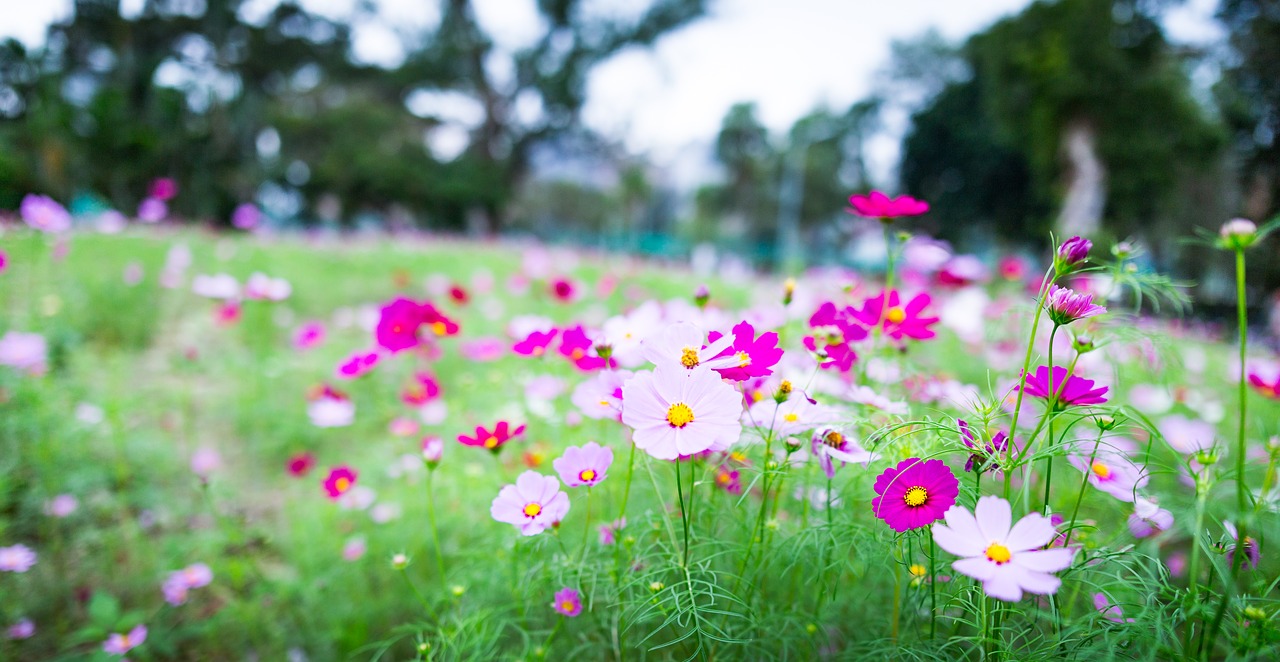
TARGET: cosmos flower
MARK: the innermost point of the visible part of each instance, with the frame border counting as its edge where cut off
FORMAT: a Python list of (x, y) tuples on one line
[(1268, 387), (339, 481), (301, 464), (993, 449), (23, 629), (568, 602), (728, 479), (4, 261), (423, 389), (897, 320), (536, 343), (26, 352), (205, 461), (119, 644), (180, 582), (626, 333), (676, 411), (609, 531), (1008, 560), (878, 205), (61, 506), (681, 344), (217, 286), (584, 466), (246, 216), (44, 214), (163, 188), (578, 348), (16, 558), (1110, 471), (263, 287), (796, 415), (962, 271), (1186, 435), (1073, 251), (831, 332), (1066, 306), (400, 321), (600, 397), (914, 494), (330, 408), (1252, 553), (309, 335), (354, 548), (755, 357), (151, 210), (1148, 518), (1077, 392), (533, 504), (432, 450), (358, 364), (1109, 611), (831, 445), (501, 434)]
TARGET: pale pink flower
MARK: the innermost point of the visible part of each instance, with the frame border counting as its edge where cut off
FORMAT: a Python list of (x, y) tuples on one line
[(27, 352), (677, 411), (119, 644), (600, 396), (533, 504), (61, 506), (16, 558), (682, 345)]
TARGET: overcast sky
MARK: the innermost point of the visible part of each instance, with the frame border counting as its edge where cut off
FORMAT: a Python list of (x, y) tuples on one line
[(786, 55)]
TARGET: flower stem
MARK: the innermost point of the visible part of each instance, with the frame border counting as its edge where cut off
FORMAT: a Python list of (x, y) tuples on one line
[(586, 528), (626, 491), (684, 517), (1084, 483), (1053, 397), (1022, 382), (431, 519), (933, 589)]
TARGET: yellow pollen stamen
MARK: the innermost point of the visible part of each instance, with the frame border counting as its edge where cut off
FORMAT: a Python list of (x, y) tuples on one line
[(784, 387), (439, 328), (918, 570), (679, 415), (604, 403), (578, 354), (538, 351), (895, 315), (689, 358), (744, 359), (723, 478), (916, 496), (587, 475), (757, 396), (342, 484), (791, 417), (566, 606), (737, 456), (998, 553), (491, 442), (1101, 470), (833, 439), (532, 510)]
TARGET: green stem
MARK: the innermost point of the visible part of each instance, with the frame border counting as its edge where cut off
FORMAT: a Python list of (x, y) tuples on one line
[(684, 517), (1084, 483), (1022, 382), (1053, 397), (933, 589), (626, 491), (586, 528), (431, 519)]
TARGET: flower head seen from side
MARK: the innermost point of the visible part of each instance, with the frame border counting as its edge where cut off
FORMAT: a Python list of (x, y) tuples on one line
[(1267, 387), (16, 558), (1109, 611), (754, 357), (1072, 252), (330, 408), (1148, 518), (600, 397), (584, 466), (914, 494), (1007, 558), (681, 344), (878, 205), (1066, 306), (533, 504), (982, 452), (1111, 471), (830, 445), (577, 346), (1252, 552), (339, 481), (301, 464), (832, 330), (898, 320), (492, 440), (119, 644), (44, 213), (678, 412), (1076, 392), (568, 602)]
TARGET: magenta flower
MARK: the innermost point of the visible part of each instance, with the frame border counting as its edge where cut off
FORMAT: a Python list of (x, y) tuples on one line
[(16, 558), (993, 449), (536, 343), (1074, 251), (163, 188), (1109, 611), (1077, 392), (4, 261), (246, 216), (401, 320), (881, 206), (44, 214), (1006, 559), (1268, 387), (832, 330), (587, 465), (729, 479), (832, 445), (119, 644), (310, 334), (609, 531), (914, 494), (1066, 306), (358, 364), (677, 412), (578, 348), (151, 210), (681, 344), (534, 504), (1252, 553), (568, 602), (339, 481), (422, 390), (755, 357), (501, 434), (898, 320), (481, 350)]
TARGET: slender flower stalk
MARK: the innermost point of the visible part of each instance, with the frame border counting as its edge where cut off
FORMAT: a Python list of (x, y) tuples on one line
[(1007, 462), (431, 519)]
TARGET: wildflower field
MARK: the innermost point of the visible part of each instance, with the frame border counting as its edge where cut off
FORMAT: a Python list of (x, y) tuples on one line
[(218, 447)]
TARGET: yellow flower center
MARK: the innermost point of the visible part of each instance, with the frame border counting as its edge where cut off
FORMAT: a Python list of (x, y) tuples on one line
[(791, 417), (737, 456), (679, 415), (1101, 470), (833, 439), (784, 387), (895, 315), (396, 328), (757, 396), (604, 403), (916, 496), (566, 606), (723, 478), (918, 570), (491, 442), (439, 328), (744, 359), (689, 358), (532, 510), (587, 475), (342, 484), (998, 553), (537, 351), (578, 354)]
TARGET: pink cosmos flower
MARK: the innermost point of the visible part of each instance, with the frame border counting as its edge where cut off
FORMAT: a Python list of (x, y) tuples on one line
[(1110, 471), (585, 466), (1074, 251), (962, 270), (578, 348), (1109, 611), (354, 549), (677, 412), (681, 344), (532, 505), (330, 408), (119, 644), (830, 445), (151, 210), (260, 286), (563, 290), (536, 343), (609, 532), (61, 506), (424, 389), (483, 350), (23, 629), (600, 397), (729, 479), (309, 335), (205, 461), (1077, 392), (27, 352), (501, 434), (246, 216), (4, 261), (993, 449), (832, 330), (1186, 435), (301, 464), (1148, 518), (400, 321), (1013, 268), (796, 415), (1008, 560), (44, 214), (1252, 553), (163, 188), (179, 582), (1268, 387), (755, 356), (878, 205), (217, 286), (227, 313), (339, 481), (16, 558), (915, 493), (432, 450), (568, 602), (898, 320), (402, 427), (1066, 306)]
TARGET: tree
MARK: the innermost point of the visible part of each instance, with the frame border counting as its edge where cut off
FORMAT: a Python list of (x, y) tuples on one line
[(1249, 95)]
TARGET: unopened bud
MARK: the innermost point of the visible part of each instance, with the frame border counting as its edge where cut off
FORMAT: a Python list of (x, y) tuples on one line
[(1238, 234), (701, 296), (788, 291), (400, 561)]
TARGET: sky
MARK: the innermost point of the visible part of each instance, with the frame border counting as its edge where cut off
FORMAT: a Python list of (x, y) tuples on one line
[(787, 56)]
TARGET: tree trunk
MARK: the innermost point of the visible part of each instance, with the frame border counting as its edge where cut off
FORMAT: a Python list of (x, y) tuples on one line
[(1086, 182)]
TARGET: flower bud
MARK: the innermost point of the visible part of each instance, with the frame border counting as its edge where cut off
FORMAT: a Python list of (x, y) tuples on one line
[(457, 590), (1255, 614), (788, 291), (1083, 344), (1105, 423), (432, 451), (1072, 252), (1238, 234), (701, 296), (656, 586), (400, 561), (604, 350)]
